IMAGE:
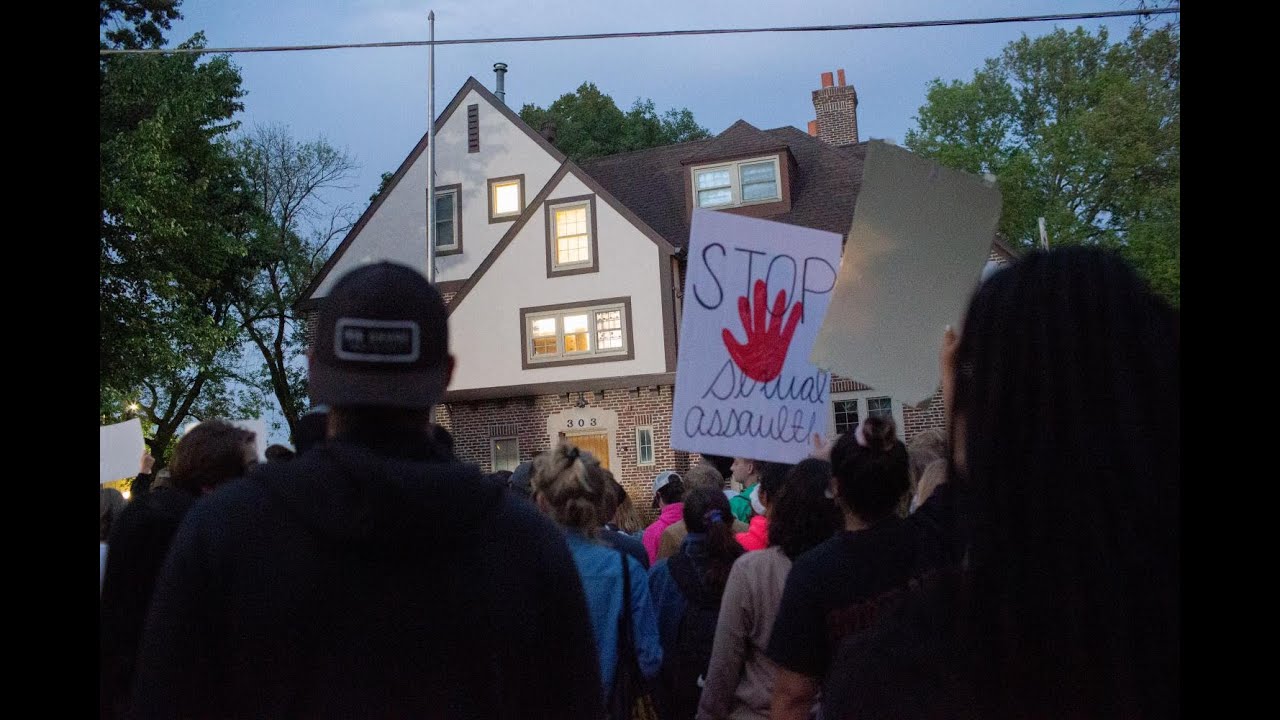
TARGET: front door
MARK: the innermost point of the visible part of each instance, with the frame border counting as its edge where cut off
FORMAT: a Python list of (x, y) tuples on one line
[(595, 443)]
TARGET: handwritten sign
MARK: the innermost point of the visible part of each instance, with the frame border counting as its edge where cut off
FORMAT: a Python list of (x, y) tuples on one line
[(120, 448), (755, 296), (921, 234)]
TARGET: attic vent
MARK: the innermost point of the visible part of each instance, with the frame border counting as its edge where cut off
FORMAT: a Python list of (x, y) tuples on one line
[(504, 431), (473, 128)]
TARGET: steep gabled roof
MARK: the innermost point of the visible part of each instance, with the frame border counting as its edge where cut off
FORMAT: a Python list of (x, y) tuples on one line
[(651, 182), (305, 302)]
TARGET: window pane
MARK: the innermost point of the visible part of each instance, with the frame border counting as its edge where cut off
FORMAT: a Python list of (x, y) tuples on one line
[(506, 453), (506, 198), (573, 249), (759, 191), (444, 233), (713, 198), (708, 179), (757, 172), (575, 334), (572, 221), (880, 407), (609, 339), (644, 446), (444, 206), (846, 416), (545, 341)]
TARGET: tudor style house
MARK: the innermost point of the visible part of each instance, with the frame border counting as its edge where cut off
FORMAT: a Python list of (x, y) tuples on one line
[(564, 281)]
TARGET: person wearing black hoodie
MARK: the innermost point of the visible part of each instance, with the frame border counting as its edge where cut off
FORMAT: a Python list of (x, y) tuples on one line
[(372, 576)]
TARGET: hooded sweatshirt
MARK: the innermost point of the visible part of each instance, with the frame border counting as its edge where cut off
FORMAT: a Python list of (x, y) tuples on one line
[(757, 538), (669, 515), (368, 578)]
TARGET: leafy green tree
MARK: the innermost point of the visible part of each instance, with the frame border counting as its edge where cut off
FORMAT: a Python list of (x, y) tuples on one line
[(175, 223), (589, 124), (1080, 131), (288, 179)]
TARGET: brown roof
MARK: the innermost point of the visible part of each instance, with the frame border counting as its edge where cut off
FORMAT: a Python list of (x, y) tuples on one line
[(651, 182)]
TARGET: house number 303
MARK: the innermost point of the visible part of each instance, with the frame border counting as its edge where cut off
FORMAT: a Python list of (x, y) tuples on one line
[(580, 423)]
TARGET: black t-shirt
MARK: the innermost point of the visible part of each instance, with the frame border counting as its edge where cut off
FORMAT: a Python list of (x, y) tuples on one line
[(833, 590)]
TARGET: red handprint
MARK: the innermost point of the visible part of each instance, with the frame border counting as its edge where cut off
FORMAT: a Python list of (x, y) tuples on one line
[(762, 356)]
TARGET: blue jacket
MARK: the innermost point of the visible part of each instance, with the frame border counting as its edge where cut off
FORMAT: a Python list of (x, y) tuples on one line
[(600, 567)]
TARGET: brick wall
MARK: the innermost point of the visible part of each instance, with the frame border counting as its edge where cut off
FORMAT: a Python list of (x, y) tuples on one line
[(470, 423), (837, 112)]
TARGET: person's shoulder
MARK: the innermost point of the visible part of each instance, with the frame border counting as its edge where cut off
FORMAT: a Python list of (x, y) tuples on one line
[(820, 556)]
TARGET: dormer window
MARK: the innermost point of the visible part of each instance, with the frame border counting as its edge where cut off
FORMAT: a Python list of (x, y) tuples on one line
[(742, 182)]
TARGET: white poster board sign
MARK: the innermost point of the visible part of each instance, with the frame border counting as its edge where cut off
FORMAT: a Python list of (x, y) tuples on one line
[(920, 238), (755, 296), (120, 448)]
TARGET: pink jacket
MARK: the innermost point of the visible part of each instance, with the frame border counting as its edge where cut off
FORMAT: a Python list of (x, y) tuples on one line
[(670, 515), (756, 538)]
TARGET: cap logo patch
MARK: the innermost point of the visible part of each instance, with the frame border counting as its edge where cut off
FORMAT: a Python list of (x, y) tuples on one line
[(385, 341)]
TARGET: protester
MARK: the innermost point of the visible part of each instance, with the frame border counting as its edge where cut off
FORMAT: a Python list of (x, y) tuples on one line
[(609, 531), (772, 477), (746, 474), (375, 574), (740, 676), (569, 486), (668, 491), (1065, 400), (206, 457), (703, 475), (687, 589), (832, 589)]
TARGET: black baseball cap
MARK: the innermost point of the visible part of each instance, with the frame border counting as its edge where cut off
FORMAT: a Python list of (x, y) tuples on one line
[(382, 341)]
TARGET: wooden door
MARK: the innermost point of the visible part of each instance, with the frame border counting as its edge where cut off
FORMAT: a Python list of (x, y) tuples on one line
[(595, 443)]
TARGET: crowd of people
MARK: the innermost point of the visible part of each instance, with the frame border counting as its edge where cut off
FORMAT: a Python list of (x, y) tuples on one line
[(1024, 562)]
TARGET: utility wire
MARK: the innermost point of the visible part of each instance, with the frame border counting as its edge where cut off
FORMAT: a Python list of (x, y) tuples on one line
[(654, 33)]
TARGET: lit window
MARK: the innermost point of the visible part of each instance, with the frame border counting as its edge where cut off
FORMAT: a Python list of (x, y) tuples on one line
[(574, 333), (545, 337), (506, 198), (506, 453), (738, 183), (644, 445), (572, 243)]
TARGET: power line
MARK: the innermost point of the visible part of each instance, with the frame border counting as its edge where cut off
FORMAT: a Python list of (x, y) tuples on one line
[(654, 33)]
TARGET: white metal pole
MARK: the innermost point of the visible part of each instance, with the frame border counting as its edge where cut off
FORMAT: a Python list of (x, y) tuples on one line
[(431, 148)]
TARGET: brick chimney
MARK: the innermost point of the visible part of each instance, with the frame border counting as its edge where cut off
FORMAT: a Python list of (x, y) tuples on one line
[(836, 106)]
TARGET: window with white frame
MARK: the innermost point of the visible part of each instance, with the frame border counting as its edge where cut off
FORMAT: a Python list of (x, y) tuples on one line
[(448, 235), (506, 453), (848, 408), (846, 415), (586, 332), (644, 445), (743, 182), (506, 198), (571, 235)]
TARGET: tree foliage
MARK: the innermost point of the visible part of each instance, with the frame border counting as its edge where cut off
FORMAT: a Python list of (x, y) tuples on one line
[(175, 224), (1080, 131), (288, 180), (589, 124)]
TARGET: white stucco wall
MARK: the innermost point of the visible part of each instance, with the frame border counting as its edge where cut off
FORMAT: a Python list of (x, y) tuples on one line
[(485, 327), (398, 229)]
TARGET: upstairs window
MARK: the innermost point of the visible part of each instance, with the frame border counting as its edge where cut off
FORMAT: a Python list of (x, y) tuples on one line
[(743, 182), (506, 198), (571, 236), (595, 332), (448, 220)]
